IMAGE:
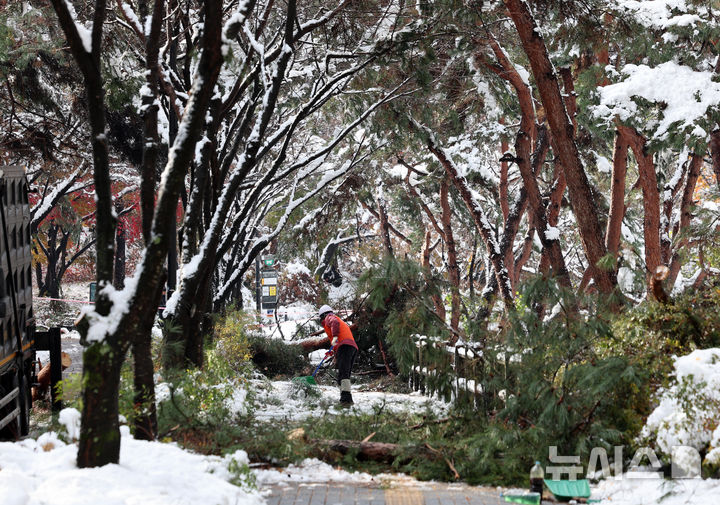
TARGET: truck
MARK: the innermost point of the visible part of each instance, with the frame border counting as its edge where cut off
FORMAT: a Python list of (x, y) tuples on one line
[(17, 321)]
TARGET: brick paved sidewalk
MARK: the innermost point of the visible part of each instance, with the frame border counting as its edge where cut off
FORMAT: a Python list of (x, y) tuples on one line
[(333, 493)]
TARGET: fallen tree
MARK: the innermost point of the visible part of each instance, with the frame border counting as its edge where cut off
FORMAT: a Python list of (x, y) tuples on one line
[(373, 451)]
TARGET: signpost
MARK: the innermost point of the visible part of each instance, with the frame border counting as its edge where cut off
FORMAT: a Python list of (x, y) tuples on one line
[(266, 284)]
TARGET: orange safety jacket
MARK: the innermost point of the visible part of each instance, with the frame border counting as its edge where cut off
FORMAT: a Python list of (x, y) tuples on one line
[(336, 327)]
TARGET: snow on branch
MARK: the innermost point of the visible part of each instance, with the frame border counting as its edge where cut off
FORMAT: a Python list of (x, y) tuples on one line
[(43, 208), (391, 95), (131, 18), (331, 247), (81, 30), (686, 97), (237, 20), (260, 242), (481, 222)]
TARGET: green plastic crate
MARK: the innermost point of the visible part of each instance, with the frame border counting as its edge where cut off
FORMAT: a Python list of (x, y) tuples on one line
[(566, 489)]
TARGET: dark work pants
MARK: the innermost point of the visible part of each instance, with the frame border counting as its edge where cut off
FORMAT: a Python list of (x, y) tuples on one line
[(345, 358)]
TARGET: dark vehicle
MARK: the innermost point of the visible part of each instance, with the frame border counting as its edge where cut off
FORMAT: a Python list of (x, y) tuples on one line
[(17, 324)]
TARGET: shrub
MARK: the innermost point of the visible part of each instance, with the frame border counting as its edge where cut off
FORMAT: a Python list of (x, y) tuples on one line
[(687, 411), (544, 384), (202, 409), (231, 339), (651, 333)]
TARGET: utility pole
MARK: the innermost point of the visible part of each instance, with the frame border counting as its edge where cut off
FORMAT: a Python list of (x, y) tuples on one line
[(258, 286)]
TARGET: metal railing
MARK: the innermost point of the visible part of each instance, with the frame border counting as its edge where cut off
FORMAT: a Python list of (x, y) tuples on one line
[(464, 364)]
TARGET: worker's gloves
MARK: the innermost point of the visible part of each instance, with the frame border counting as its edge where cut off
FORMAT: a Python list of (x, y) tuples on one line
[(333, 341)]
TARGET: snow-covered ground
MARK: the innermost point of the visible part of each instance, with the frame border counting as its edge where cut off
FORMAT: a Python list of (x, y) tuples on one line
[(43, 471), (311, 470), (630, 491), (286, 400)]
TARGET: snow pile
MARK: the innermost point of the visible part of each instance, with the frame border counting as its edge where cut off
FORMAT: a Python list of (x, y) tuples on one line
[(151, 473), (637, 491), (686, 416), (285, 400), (688, 410), (310, 470), (686, 95)]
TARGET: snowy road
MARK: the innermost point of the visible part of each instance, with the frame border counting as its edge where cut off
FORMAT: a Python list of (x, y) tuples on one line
[(359, 494), (316, 483)]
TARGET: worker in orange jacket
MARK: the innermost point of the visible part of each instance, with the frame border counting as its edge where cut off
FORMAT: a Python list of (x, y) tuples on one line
[(344, 348)]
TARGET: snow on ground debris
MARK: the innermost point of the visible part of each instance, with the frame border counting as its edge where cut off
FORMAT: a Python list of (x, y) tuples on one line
[(285, 400), (634, 491), (310, 470), (43, 471), (687, 413), (686, 417), (314, 471)]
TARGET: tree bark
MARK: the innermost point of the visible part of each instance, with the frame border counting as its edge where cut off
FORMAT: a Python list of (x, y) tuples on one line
[(145, 411), (551, 244), (427, 269), (715, 153), (119, 280), (613, 232), (385, 229), (374, 451), (149, 107), (453, 269), (503, 186), (580, 193), (651, 199), (313, 344), (696, 163), (553, 209)]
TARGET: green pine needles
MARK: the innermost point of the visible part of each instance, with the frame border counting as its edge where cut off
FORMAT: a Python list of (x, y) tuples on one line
[(399, 293)]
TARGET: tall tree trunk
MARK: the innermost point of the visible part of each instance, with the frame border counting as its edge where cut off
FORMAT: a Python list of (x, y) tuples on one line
[(385, 229), (479, 218), (549, 237), (580, 193), (553, 209), (613, 232), (51, 286), (151, 137), (193, 327), (453, 269), (503, 186), (670, 192), (471, 270), (696, 163), (715, 153), (119, 282), (427, 269), (651, 199), (145, 411)]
